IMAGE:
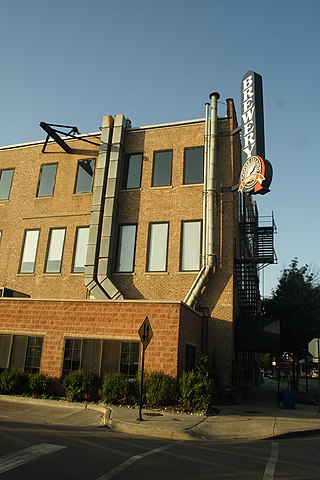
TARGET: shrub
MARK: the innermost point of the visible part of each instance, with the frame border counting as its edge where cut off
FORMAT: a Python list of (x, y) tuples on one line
[(158, 389), (14, 382), (79, 385), (117, 389), (40, 385), (196, 389)]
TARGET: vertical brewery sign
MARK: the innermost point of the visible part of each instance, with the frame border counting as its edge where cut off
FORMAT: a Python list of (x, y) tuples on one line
[(256, 173)]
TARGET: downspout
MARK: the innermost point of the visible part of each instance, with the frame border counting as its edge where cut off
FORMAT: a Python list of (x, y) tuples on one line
[(95, 277), (209, 203)]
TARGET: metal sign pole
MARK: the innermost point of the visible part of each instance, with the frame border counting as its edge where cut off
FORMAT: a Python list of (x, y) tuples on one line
[(141, 386), (318, 342), (145, 334)]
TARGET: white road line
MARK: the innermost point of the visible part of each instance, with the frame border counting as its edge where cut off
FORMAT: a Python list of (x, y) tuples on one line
[(135, 458), (13, 460), (271, 465)]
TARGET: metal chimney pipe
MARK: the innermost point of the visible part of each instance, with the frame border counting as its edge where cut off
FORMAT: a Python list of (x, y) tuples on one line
[(211, 132), (205, 186), (212, 182)]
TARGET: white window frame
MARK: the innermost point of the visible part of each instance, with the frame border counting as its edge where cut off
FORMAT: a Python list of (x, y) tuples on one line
[(158, 247), (191, 236), (55, 249), (80, 250), (29, 250), (126, 248)]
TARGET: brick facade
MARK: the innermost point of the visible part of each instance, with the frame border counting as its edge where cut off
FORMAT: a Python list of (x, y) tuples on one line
[(174, 326), (158, 295)]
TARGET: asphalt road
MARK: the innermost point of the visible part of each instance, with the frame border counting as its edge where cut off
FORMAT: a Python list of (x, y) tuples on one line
[(32, 451)]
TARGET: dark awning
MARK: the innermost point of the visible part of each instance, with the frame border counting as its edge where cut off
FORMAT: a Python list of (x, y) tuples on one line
[(257, 334)]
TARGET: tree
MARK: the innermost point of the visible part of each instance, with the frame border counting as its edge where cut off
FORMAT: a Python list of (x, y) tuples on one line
[(296, 303)]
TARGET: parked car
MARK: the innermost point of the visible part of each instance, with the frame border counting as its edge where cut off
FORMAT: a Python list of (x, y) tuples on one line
[(314, 373), (282, 375)]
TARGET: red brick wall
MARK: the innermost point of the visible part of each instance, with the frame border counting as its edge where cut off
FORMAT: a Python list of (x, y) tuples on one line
[(57, 320)]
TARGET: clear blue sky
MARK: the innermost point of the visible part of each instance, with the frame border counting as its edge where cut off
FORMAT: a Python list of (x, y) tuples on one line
[(157, 61)]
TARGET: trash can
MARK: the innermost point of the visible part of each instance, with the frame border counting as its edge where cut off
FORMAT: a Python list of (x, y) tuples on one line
[(288, 399)]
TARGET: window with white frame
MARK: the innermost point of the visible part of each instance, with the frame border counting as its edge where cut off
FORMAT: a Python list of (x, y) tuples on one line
[(191, 245), (29, 251), (55, 250), (80, 250), (158, 247), (6, 176), (126, 248), (193, 165), (47, 179)]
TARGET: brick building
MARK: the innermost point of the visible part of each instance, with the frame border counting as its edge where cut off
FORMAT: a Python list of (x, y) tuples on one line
[(99, 231)]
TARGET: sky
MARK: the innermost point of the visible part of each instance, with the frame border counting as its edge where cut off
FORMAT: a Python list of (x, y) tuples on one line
[(72, 62)]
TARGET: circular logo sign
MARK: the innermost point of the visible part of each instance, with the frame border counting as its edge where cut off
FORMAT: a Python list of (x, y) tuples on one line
[(252, 175)]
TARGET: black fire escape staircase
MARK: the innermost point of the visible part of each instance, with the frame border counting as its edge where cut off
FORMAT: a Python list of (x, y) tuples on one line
[(254, 252)]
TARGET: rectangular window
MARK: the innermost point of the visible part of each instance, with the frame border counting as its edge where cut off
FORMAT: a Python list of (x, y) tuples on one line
[(129, 358), (72, 355), (47, 180), (21, 351), (80, 250), (5, 344), (193, 165), (91, 354), (18, 351), (33, 357), (29, 252), (6, 177), (85, 173), (126, 248), (191, 246), (101, 356), (162, 166), (111, 354), (132, 171), (158, 247), (55, 250)]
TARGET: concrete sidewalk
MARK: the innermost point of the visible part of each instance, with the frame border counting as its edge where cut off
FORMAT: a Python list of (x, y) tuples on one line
[(256, 418)]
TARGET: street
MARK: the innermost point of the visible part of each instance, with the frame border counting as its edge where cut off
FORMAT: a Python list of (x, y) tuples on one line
[(53, 452)]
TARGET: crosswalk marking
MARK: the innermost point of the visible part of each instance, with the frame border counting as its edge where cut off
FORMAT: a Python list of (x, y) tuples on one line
[(135, 458), (271, 465), (13, 460)]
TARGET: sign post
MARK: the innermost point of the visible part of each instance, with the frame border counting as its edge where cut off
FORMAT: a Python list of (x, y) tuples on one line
[(146, 334), (314, 349)]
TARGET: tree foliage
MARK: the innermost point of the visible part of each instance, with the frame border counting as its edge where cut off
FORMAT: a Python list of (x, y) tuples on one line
[(296, 302)]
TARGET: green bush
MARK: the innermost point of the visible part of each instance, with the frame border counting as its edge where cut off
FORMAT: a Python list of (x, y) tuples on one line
[(79, 385), (158, 389), (40, 385), (196, 389), (117, 389), (14, 382)]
